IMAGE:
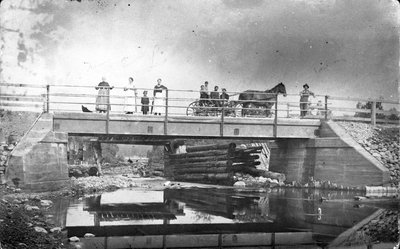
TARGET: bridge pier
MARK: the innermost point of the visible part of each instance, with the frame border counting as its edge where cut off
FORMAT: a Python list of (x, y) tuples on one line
[(334, 157)]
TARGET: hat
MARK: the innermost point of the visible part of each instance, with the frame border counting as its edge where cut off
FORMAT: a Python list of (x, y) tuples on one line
[(306, 85), (223, 89), (144, 92)]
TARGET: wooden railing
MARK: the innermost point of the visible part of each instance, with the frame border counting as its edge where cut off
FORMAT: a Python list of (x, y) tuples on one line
[(70, 98)]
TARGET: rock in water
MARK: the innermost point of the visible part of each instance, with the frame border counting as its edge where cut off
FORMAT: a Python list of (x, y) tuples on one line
[(40, 229), (74, 239), (239, 184), (89, 235)]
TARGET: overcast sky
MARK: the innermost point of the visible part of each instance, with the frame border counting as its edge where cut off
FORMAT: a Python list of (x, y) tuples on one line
[(339, 47)]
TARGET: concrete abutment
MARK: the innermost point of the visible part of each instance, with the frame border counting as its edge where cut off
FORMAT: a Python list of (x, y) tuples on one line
[(39, 161), (334, 157)]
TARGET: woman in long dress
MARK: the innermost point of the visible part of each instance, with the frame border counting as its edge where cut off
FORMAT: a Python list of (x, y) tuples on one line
[(130, 97), (158, 98), (103, 96)]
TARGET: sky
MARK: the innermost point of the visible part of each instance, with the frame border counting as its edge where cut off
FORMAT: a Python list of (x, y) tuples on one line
[(344, 48)]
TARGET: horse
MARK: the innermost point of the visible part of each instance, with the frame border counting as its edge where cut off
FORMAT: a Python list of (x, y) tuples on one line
[(261, 98)]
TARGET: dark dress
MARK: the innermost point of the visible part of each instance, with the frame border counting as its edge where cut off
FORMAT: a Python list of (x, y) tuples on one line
[(103, 97), (214, 96), (224, 96), (145, 105)]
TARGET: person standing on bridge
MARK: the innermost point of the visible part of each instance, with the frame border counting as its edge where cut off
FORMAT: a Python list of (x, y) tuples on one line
[(145, 103), (130, 97), (304, 95), (206, 87), (103, 96), (224, 96), (214, 96), (203, 96), (158, 98)]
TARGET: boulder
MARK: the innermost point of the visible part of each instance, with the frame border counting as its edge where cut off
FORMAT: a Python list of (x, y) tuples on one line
[(89, 235), (239, 184), (74, 239), (40, 229), (31, 208), (46, 203), (56, 230)]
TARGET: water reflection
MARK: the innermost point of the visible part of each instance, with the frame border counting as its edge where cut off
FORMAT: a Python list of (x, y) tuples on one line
[(207, 217)]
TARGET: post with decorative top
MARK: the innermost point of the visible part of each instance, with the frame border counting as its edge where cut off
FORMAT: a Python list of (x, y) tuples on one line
[(276, 117), (47, 98), (326, 107), (373, 113), (108, 111), (221, 127)]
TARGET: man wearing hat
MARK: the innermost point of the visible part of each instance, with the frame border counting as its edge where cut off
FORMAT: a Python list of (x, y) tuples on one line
[(304, 100)]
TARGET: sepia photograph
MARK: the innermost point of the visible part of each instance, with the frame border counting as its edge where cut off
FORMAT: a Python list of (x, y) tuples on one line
[(199, 124)]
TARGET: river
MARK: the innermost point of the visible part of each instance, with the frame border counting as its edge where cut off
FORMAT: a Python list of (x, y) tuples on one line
[(206, 217)]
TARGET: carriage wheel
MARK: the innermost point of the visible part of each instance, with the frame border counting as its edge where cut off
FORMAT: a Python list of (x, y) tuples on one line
[(193, 109)]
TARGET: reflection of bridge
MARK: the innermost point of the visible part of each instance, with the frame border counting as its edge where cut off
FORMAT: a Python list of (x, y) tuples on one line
[(312, 146), (281, 217)]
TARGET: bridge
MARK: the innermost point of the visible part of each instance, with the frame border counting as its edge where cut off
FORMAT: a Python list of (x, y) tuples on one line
[(147, 127), (313, 143)]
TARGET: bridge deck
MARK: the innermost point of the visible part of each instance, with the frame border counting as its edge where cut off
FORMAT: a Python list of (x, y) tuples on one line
[(183, 126)]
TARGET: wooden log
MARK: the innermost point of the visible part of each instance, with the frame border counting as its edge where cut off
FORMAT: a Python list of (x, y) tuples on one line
[(199, 154), (230, 146), (182, 171), (244, 152), (238, 158), (199, 177), (198, 159), (254, 148), (246, 164), (245, 158), (204, 164)]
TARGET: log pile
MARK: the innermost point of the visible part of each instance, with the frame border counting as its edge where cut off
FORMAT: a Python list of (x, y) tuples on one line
[(216, 163)]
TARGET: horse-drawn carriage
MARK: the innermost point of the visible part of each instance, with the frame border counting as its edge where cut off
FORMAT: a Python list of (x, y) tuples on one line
[(250, 103), (205, 107)]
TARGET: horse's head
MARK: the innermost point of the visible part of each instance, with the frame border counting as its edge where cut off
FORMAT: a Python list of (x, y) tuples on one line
[(280, 88)]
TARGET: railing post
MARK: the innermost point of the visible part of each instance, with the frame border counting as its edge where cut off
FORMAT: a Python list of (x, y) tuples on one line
[(108, 113), (135, 92), (326, 107), (221, 127), (288, 114), (373, 113), (276, 117), (47, 98), (166, 113)]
